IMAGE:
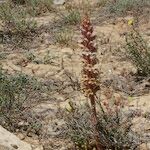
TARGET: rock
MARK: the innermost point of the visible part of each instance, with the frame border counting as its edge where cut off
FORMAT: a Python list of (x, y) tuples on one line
[(59, 2), (39, 148), (9, 141), (2, 1), (63, 148), (144, 146)]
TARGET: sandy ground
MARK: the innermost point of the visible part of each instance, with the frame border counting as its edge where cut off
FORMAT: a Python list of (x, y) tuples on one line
[(109, 39)]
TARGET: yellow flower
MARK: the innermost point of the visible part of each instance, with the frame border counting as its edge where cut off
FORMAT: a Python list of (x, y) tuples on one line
[(130, 22)]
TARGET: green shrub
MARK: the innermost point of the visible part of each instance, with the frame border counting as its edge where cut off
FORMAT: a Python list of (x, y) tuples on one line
[(49, 58), (15, 19), (114, 126), (138, 52), (3, 55), (73, 17), (64, 36), (101, 3), (122, 6), (30, 56), (19, 2), (37, 7), (16, 102), (79, 128)]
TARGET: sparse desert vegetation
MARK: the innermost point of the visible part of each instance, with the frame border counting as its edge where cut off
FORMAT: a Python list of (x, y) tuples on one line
[(75, 74)]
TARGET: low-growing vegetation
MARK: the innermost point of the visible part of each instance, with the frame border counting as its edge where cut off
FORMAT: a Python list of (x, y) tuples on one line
[(73, 17), (114, 126), (38, 7), (139, 52), (120, 7), (16, 94), (64, 36), (63, 85), (16, 20)]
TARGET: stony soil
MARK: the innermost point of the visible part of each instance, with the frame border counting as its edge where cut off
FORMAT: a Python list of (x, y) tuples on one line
[(66, 60)]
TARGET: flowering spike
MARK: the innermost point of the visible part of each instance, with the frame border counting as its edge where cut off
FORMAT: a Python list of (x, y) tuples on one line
[(90, 73), (90, 83)]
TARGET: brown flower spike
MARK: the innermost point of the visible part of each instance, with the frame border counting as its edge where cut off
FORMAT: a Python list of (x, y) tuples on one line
[(89, 72), (90, 83)]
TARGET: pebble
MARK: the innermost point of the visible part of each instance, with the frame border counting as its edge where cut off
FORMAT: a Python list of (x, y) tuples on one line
[(59, 2)]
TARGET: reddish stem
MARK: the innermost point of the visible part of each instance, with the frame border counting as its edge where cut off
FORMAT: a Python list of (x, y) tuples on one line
[(94, 122)]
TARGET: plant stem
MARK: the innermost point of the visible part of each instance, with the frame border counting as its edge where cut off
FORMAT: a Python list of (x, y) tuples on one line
[(94, 122)]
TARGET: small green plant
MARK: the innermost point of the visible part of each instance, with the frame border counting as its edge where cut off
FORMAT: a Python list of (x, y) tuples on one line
[(48, 58), (16, 93), (73, 17), (114, 126), (19, 2), (122, 6), (37, 7), (30, 56), (139, 52), (3, 55), (15, 19), (64, 36), (101, 3), (78, 128)]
